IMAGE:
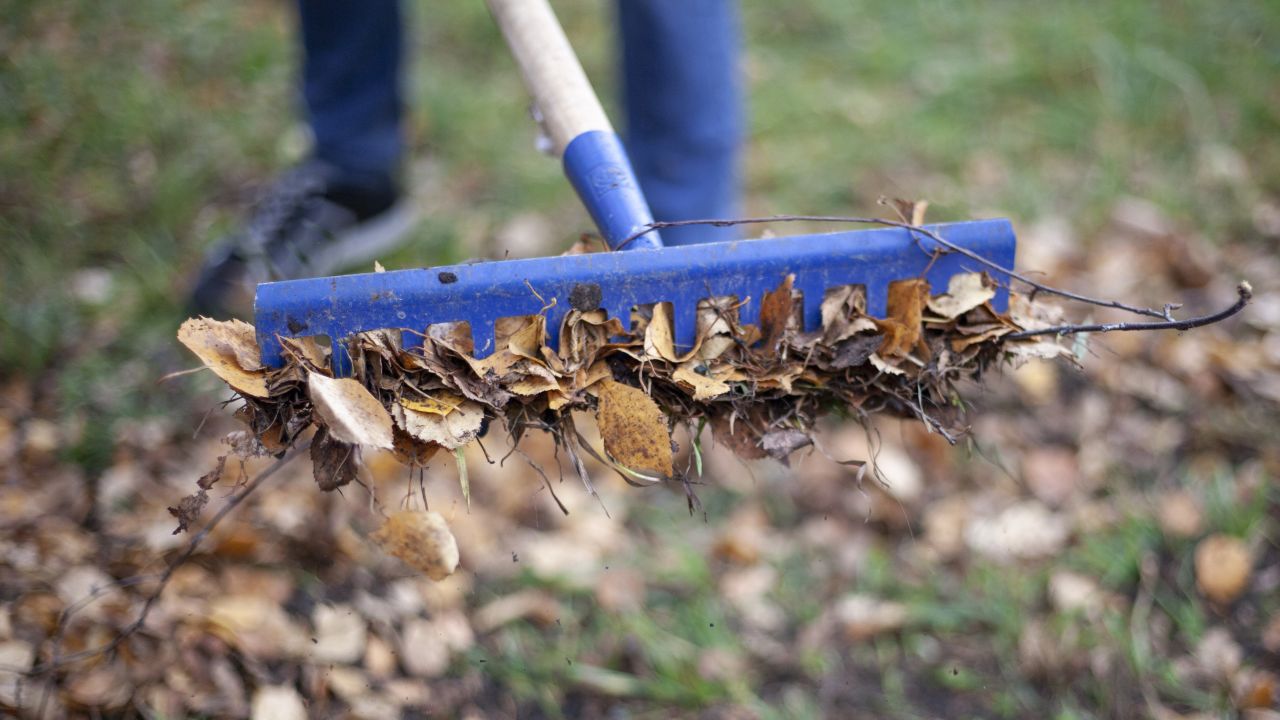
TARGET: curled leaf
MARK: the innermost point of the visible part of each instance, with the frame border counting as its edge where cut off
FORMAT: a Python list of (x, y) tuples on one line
[(350, 412), (229, 349)]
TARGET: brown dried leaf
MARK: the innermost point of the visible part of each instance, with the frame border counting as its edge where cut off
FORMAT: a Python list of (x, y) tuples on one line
[(229, 350), (633, 428), (907, 300), (422, 540), (781, 443), (775, 311), (351, 413), (333, 463), (855, 351), (188, 509), (411, 451), (965, 292)]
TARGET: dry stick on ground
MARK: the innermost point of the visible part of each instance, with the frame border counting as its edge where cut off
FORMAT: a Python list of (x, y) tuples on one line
[(177, 562), (1166, 314)]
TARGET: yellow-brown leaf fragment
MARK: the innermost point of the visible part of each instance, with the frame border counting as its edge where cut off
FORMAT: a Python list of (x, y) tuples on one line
[(229, 350), (351, 413), (634, 429), (422, 540), (965, 292), (907, 300), (705, 385), (775, 310)]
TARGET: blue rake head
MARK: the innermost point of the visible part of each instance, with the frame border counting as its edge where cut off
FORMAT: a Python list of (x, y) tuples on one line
[(480, 293)]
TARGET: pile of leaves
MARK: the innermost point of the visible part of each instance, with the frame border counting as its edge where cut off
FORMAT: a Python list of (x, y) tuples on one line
[(761, 388)]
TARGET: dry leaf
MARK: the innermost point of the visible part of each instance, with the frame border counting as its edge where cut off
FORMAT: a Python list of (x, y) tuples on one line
[(441, 403), (350, 412), (1180, 515), (775, 312), (229, 349), (634, 429), (449, 431), (333, 463), (659, 336), (277, 702), (340, 634), (699, 377), (1223, 567), (411, 451), (421, 540), (965, 292), (883, 366), (863, 616), (907, 300)]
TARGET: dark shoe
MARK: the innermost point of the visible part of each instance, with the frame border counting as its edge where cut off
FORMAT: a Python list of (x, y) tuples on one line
[(308, 224)]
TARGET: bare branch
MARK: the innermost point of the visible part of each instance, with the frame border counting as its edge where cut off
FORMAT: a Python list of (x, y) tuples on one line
[(1244, 294), (1039, 287)]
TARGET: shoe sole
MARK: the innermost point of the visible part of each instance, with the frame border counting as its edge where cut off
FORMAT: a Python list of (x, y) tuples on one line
[(366, 243)]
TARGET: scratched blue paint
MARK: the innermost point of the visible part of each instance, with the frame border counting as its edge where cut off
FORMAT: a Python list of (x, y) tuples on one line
[(597, 166), (483, 292)]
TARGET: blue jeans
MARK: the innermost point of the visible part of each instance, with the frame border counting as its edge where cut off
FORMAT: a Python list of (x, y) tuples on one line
[(680, 85)]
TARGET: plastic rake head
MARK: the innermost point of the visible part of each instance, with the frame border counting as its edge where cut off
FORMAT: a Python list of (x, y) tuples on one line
[(480, 293)]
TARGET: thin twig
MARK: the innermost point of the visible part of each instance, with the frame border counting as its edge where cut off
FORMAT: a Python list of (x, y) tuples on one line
[(1244, 294), (178, 562), (1164, 314)]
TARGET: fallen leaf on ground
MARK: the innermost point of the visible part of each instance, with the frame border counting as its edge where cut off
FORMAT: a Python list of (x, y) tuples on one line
[(1223, 567), (861, 616), (340, 634), (1180, 515), (1026, 530), (277, 702)]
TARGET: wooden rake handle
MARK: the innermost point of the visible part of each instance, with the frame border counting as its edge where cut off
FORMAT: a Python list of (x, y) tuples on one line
[(594, 159), (551, 71)]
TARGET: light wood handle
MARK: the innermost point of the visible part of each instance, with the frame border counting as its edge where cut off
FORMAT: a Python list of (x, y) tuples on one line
[(551, 71)]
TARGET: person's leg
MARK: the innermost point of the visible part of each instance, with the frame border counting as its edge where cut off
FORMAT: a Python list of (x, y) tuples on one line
[(351, 83), (683, 97), (341, 207)]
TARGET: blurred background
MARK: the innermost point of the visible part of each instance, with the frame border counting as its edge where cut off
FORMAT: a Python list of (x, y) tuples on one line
[(1103, 545)]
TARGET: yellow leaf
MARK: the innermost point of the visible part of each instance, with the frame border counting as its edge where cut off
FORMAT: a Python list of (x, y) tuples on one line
[(441, 403), (533, 385), (229, 350), (705, 385), (633, 428)]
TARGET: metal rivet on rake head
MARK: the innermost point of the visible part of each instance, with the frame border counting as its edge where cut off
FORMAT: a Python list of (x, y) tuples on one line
[(447, 278), (585, 297)]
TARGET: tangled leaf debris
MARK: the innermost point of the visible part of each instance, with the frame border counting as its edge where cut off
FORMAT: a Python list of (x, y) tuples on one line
[(760, 388)]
